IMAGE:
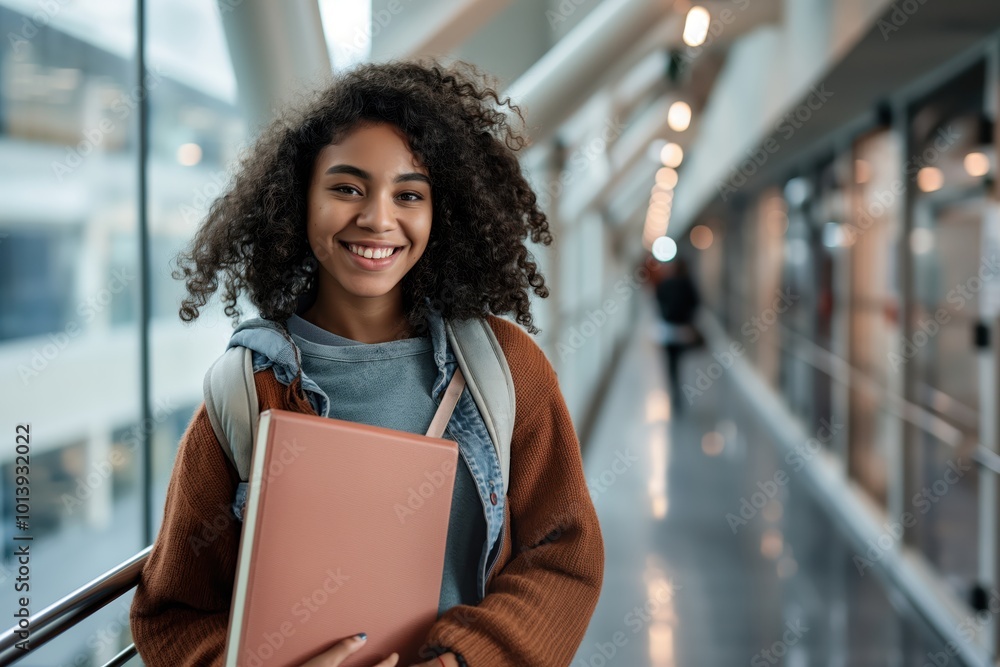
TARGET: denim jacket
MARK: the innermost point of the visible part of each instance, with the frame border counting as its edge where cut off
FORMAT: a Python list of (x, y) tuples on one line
[(466, 426)]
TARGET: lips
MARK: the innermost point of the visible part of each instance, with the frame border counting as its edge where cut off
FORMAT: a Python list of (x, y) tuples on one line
[(372, 264)]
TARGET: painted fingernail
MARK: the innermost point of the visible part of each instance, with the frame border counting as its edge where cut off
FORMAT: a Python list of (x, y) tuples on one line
[(361, 636)]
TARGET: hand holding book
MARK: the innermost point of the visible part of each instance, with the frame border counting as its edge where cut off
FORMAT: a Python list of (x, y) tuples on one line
[(336, 654)]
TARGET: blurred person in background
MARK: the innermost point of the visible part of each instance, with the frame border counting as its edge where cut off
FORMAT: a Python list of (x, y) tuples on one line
[(678, 300)]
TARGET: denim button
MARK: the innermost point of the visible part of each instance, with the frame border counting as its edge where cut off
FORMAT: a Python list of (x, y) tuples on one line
[(493, 498)]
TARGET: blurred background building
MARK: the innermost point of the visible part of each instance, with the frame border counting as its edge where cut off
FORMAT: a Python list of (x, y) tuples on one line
[(826, 167)]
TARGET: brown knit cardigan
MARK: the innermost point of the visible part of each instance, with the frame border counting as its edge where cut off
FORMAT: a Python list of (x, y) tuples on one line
[(540, 595)]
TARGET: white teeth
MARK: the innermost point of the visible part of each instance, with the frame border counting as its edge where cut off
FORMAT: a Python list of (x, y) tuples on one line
[(377, 253)]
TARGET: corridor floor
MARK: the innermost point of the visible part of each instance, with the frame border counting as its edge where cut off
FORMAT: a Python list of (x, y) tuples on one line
[(685, 586)]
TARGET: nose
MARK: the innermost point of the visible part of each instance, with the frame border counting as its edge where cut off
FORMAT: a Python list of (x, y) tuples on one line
[(378, 214)]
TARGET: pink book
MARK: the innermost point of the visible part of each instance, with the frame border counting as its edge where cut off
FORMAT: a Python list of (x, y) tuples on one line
[(344, 532)]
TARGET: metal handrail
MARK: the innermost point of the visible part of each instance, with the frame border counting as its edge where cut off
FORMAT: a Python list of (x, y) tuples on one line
[(65, 613), (842, 371)]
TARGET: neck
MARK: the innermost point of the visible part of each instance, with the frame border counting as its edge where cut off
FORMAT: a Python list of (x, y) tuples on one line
[(364, 319)]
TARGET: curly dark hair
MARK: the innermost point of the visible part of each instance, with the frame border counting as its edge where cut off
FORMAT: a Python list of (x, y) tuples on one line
[(476, 261)]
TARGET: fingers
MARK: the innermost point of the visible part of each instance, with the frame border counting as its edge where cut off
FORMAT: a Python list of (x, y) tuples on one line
[(336, 654), (390, 661)]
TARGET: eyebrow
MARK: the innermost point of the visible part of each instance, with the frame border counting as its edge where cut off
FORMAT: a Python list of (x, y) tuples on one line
[(364, 175)]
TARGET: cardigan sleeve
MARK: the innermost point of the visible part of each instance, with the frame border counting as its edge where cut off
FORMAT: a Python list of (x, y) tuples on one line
[(540, 601), (180, 611)]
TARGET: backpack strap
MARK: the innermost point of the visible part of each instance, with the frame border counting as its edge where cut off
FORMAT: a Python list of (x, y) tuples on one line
[(231, 402), (488, 377)]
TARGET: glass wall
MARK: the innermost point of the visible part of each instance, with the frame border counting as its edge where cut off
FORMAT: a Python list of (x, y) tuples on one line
[(888, 246), (949, 271), (70, 277), (196, 131)]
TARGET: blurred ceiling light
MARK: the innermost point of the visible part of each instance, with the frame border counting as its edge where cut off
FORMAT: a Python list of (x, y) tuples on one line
[(921, 240), (189, 154), (930, 179), (657, 222), (679, 116), (701, 237), (666, 178), (712, 443), (672, 155), (862, 171), (977, 164), (772, 543), (664, 248), (696, 26)]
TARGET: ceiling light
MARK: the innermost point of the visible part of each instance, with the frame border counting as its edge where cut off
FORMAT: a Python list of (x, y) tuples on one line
[(701, 237), (664, 248), (666, 177), (672, 155), (696, 26), (679, 116), (977, 164), (189, 154), (930, 179)]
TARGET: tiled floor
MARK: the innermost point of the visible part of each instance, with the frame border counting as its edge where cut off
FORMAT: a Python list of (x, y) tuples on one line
[(683, 586)]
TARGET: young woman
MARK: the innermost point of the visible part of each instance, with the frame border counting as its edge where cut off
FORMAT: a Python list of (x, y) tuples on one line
[(356, 226)]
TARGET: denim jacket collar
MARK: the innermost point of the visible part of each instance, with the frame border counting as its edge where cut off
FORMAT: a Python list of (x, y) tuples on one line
[(267, 340)]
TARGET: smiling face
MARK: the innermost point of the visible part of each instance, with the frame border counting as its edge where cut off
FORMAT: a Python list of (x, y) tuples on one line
[(369, 215)]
